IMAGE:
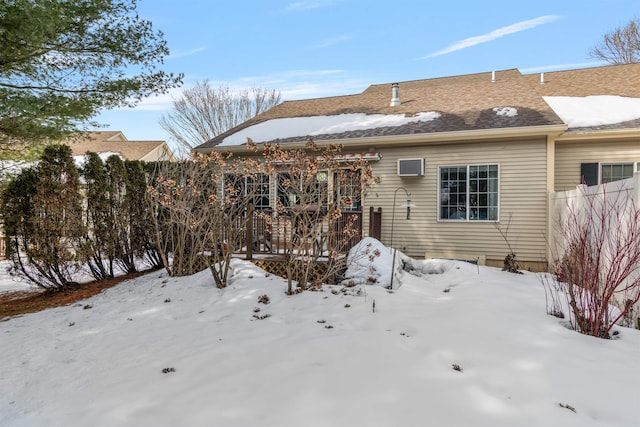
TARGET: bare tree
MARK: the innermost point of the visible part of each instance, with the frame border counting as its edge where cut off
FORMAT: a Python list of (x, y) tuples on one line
[(621, 46), (204, 112)]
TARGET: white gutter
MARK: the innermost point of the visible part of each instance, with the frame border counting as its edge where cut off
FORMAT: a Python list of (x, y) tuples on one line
[(417, 139)]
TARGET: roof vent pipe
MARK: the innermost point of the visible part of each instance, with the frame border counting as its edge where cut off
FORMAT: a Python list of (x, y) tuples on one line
[(541, 78), (493, 77), (395, 97)]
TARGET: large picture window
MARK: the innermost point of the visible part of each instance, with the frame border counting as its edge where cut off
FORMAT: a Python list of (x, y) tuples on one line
[(468, 193)]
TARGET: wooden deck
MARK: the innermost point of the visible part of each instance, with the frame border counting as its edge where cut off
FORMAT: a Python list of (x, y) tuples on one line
[(268, 233)]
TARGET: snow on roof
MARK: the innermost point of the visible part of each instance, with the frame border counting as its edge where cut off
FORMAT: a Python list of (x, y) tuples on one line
[(14, 167), (594, 110), (80, 161), (506, 111), (321, 125)]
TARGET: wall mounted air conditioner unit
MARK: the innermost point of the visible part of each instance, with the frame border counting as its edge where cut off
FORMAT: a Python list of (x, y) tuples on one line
[(410, 167)]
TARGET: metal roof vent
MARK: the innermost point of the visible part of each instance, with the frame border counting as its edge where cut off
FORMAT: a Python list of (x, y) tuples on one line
[(395, 96), (541, 78)]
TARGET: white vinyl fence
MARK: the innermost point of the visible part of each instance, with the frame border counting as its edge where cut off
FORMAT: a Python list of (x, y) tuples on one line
[(623, 196)]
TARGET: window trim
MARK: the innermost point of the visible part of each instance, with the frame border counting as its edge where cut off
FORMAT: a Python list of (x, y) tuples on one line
[(467, 207)]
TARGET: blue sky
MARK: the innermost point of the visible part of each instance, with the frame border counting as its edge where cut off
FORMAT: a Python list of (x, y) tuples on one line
[(318, 48)]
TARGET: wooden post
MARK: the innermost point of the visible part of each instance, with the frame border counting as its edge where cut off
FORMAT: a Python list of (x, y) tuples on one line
[(249, 233), (371, 232), (375, 223)]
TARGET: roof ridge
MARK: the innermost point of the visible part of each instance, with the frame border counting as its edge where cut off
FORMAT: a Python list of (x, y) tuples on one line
[(460, 76), (592, 68)]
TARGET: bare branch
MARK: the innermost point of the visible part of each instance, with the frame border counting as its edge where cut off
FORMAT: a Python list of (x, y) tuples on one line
[(204, 112), (621, 46)]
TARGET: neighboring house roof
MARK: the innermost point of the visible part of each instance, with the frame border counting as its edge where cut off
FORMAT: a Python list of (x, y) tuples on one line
[(116, 142), (104, 143), (484, 101)]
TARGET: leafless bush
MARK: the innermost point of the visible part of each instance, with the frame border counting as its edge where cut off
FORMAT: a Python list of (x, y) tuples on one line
[(198, 223), (601, 260), (511, 263), (553, 294), (321, 229), (208, 208)]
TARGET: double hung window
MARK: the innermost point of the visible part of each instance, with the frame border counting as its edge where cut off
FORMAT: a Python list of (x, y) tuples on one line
[(316, 190)]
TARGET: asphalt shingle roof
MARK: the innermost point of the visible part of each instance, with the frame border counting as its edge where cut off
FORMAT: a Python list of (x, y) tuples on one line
[(465, 102), (112, 141), (620, 80)]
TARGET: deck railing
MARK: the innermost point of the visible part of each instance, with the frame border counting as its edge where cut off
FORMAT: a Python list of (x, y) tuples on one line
[(268, 232)]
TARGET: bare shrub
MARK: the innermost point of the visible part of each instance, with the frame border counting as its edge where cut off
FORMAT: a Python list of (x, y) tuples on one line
[(320, 229), (601, 261), (213, 206), (553, 294), (511, 263), (195, 226)]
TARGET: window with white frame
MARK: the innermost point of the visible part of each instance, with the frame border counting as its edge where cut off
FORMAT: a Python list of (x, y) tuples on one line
[(285, 192), (468, 192), (315, 191), (602, 173), (257, 188), (233, 188), (347, 186), (610, 172)]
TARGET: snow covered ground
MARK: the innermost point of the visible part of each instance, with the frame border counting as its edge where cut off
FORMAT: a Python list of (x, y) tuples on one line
[(15, 283), (9, 283), (163, 351)]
